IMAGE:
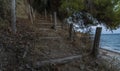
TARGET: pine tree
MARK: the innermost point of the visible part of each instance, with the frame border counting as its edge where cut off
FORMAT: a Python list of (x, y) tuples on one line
[(106, 11)]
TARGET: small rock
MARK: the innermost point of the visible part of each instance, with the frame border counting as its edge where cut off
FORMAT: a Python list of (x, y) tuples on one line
[(28, 66), (21, 68)]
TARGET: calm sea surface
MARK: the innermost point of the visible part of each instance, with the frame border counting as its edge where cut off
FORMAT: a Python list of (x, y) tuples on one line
[(110, 42)]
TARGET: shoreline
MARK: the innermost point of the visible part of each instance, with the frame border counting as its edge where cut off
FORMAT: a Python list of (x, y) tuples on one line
[(111, 58), (109, 53)]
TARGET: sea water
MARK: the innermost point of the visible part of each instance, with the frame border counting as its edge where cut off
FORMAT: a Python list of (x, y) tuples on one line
[(110, 42)]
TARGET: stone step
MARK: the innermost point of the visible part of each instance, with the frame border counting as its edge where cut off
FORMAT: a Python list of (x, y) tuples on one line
[(47, 35), (50, 38), (44, 29), (45, 23)]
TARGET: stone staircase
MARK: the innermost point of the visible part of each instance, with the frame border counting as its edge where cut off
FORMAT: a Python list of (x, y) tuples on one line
[(49, 44)]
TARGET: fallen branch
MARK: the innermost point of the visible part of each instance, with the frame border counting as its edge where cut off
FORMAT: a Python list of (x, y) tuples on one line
[(50, 38), (57, 61)]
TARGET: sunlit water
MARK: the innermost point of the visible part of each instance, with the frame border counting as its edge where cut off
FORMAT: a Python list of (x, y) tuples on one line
[(111, 42)]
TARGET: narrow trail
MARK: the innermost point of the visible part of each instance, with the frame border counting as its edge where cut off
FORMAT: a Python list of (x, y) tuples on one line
[(49, 44)]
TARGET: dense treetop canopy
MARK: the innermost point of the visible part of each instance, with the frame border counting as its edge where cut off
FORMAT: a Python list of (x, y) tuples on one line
[(106, 11)]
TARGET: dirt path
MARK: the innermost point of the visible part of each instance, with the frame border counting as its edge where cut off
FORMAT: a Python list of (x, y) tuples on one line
[(49, 44)]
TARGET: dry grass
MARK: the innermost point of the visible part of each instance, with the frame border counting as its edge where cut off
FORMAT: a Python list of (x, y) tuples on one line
[(21, 10)]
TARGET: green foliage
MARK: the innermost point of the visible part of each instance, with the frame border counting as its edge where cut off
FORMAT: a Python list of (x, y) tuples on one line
[(107, 11), (40, 5), (70, 6)]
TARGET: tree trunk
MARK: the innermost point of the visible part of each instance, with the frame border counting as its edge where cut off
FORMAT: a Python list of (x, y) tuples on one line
[(71, 32), (45, 14), (31, 14), (13, 15), (55, 21), (89, 5), (95, 50), (30, 11)]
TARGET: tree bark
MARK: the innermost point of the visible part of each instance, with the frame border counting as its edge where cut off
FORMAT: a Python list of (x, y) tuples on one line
[(45, 14), (30, 10), (95, 49), (71, 32), (31, 13), (55, 21), (13, 15)]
